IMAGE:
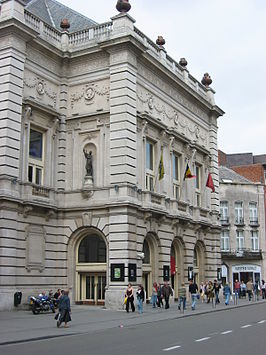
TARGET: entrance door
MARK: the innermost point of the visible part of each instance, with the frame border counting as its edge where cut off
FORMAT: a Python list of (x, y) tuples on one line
[(146, 284), (93, 288)]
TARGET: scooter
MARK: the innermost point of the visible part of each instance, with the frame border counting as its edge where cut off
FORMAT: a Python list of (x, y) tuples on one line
[(41, 305)]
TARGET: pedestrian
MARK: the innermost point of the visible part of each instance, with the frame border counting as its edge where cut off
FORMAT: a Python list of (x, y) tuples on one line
[(210, 292), (159, 296), (202, 291), (182, 296), (166, 293), (130, 298), (154, 295), (140, 298), (193, 289), (237, 288), (216, 288), (64, 310), (57, 294), (263, 289), (243, 289), (227, 292), (257, 290), (249, 289)]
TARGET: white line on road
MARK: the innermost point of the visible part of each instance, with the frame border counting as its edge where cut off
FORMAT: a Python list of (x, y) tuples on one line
[(262, 321), (202, 339), (172, 348), (246, 326), (227, 332)]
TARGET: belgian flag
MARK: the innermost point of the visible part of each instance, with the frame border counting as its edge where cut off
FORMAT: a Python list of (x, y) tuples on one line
[(188, 174)]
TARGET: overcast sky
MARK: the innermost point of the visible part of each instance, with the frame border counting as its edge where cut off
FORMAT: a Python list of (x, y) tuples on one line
[(223, 37)]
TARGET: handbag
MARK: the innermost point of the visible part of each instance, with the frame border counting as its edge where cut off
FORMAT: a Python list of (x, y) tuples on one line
[(56, 316), (125, 300), (198, 296)]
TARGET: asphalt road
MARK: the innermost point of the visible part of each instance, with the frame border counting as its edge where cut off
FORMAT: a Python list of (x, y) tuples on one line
[(235, 331)]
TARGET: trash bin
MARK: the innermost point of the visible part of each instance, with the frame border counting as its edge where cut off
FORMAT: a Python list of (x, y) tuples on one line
[(17, 298)]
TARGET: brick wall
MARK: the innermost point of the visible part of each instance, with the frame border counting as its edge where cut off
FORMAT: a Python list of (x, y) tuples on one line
[(254, 172)]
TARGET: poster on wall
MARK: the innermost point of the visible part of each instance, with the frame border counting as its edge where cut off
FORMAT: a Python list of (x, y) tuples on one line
[(166, 271), (117, 272), (132, 272), (190, 273)]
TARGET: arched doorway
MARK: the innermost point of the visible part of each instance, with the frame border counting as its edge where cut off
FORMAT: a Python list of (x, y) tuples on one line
[(177, 265), (199, 263), (91, 269), (150, 269)]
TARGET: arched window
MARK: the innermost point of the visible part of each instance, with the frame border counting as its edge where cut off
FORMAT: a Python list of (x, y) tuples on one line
[(146, 251), (195, 258), (92, 249)]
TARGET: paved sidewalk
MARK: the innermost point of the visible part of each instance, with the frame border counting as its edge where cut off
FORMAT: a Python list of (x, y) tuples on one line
[(22, 326)]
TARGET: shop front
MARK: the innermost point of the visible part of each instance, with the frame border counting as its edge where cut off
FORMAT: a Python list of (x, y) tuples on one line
[(246, 272)]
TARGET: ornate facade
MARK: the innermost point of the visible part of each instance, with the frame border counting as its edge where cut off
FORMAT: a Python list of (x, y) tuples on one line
[(110, 92)]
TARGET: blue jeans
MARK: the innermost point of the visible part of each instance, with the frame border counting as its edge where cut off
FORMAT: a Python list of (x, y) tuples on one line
[(154, 300), (194, 300), (182, 300), (140, 305), (227, 298)]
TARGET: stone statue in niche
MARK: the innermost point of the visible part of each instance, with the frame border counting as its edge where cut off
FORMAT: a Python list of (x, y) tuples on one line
[(89, 168)]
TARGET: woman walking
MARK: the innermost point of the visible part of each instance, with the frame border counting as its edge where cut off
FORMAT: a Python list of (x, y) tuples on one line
[(140, 298), (154, 295), (64, 309), (130, 298)]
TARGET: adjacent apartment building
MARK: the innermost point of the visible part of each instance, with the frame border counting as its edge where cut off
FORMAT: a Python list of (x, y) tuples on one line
[(98, 126), (242, 212)]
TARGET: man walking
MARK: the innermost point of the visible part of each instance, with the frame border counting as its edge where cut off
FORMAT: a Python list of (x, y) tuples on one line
[(166, 292), (249, 289), (216, 288), (193, 289), (182, 296)]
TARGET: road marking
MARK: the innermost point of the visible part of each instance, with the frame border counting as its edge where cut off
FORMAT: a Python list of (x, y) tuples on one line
[(172, 348), (246, 326), (202, 339), (262, 321), (227, 332)]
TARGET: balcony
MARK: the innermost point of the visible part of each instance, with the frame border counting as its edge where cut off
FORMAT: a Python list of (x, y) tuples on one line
[(239, 221), (247, 254), (224, 220), (254, 222)]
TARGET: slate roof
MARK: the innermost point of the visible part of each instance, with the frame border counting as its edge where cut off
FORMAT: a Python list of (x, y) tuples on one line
[(52, 12), (228, 174)]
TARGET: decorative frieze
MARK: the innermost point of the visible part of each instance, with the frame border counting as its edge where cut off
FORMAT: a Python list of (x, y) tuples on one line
[(158, 109), (88, 92), (40, 89)]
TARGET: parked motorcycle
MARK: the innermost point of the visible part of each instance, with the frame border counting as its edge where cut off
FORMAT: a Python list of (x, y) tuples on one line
[(41, 305)]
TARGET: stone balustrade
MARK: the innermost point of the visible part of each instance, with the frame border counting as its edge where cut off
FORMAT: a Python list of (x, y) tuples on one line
[(79, 39)]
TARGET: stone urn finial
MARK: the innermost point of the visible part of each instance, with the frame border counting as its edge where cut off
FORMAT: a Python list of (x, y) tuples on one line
[(123, 6), (64, 24), (183, 62), (206, 80), (160, 41)]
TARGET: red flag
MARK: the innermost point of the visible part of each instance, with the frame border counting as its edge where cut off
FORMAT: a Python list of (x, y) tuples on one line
[(210, 183)]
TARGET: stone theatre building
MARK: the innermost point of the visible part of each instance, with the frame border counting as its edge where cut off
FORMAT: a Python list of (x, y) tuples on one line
[(87, 114)]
